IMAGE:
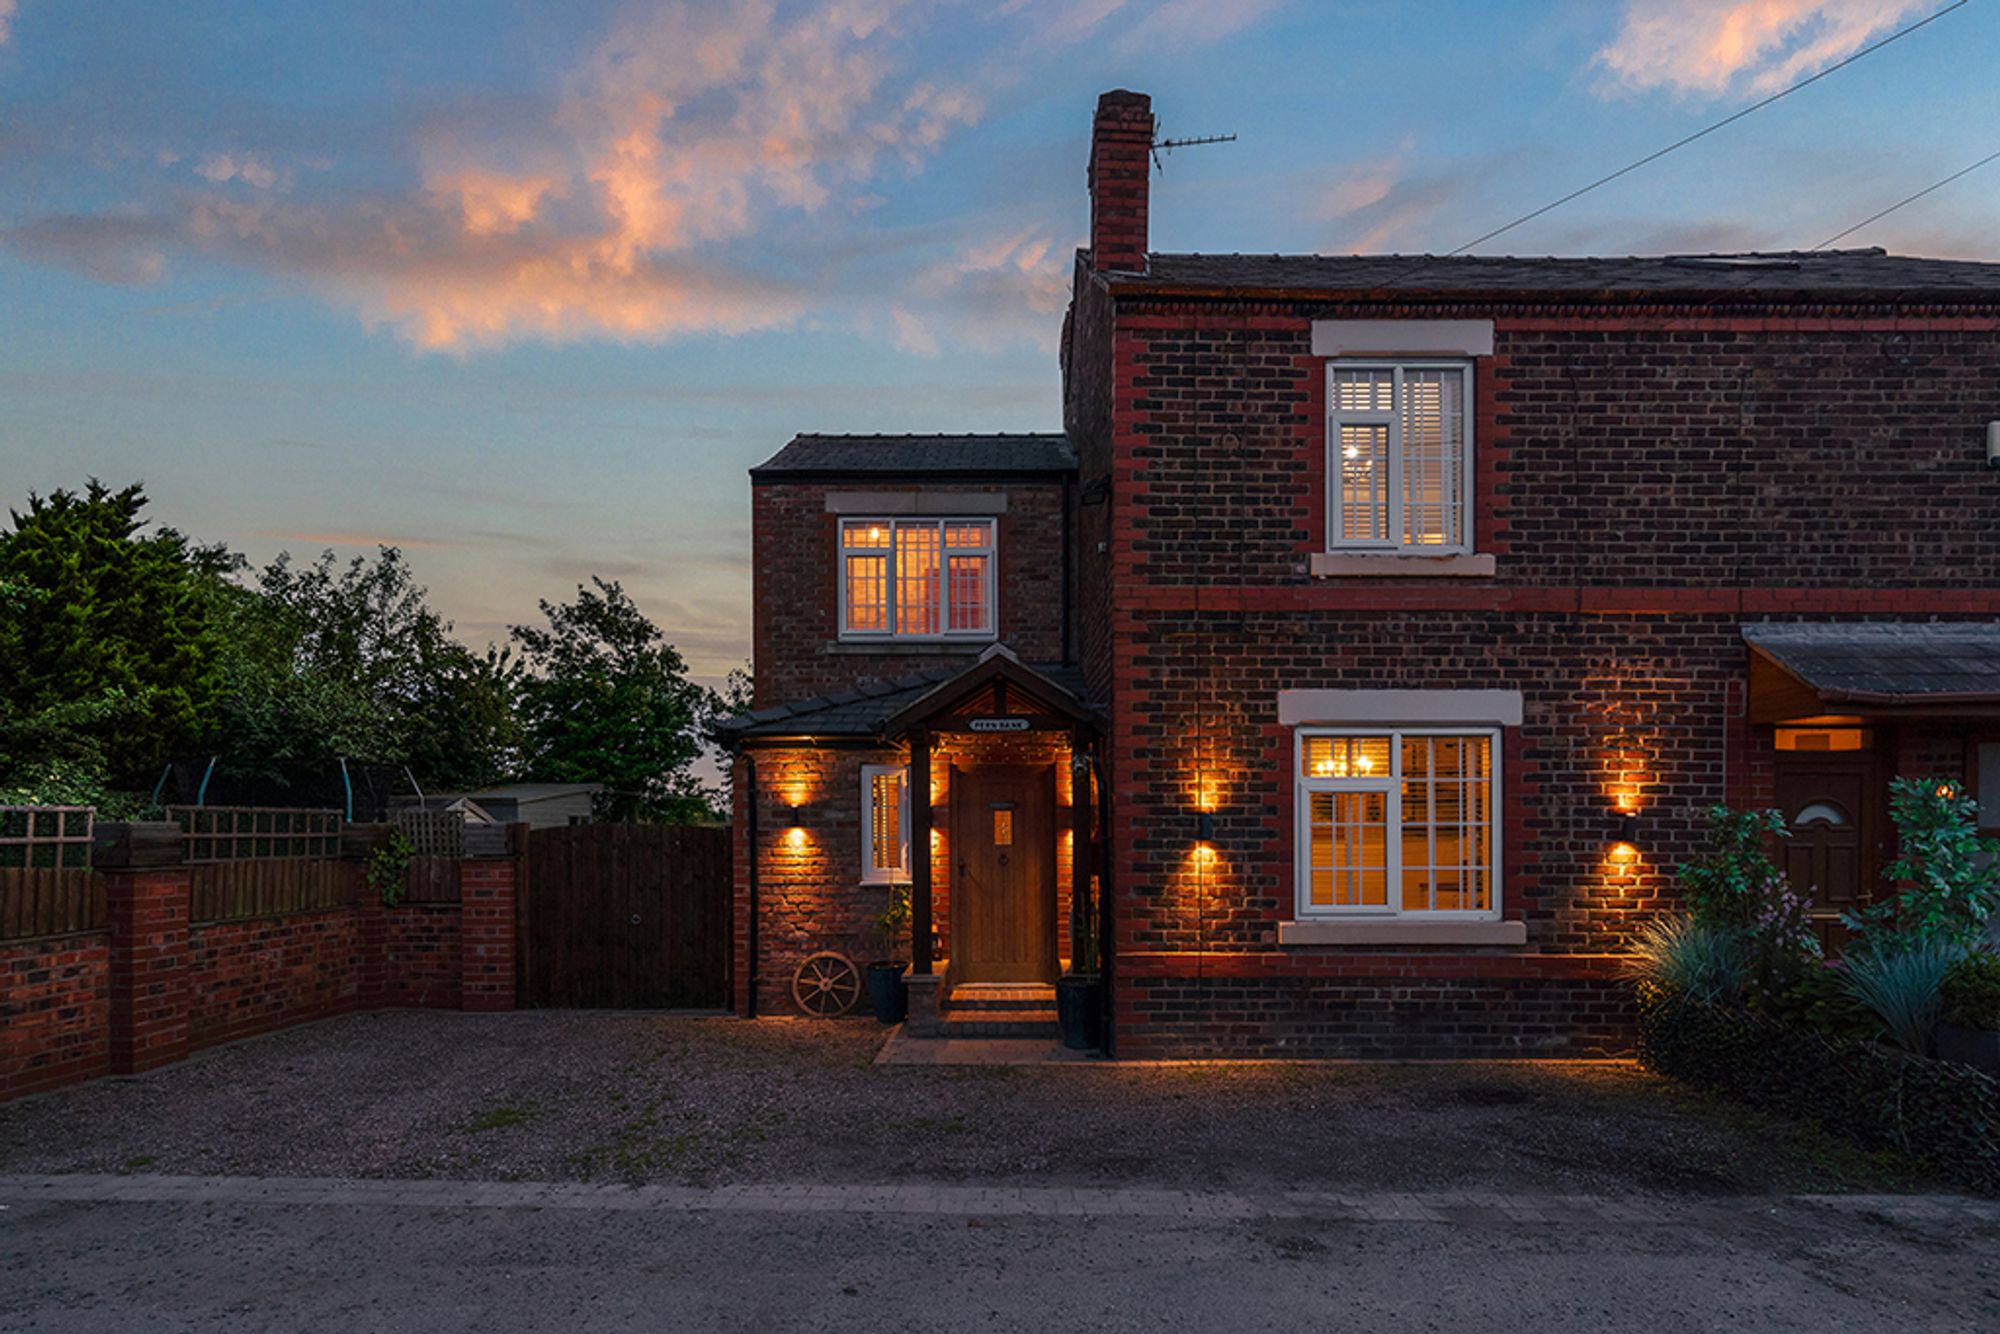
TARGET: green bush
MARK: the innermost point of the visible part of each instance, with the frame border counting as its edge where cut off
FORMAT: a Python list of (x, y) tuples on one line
[(1681, 957), (1726, 885), (1818, 1000), (1952, 873), (1972, 991), (1875, 1095), (1901, 979)]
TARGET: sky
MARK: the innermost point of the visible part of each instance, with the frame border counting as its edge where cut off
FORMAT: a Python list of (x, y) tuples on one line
[(524, 288)]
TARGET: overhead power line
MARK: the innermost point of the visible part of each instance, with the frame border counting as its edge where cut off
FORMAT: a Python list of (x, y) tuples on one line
[(1725, 122), (1911, 199)]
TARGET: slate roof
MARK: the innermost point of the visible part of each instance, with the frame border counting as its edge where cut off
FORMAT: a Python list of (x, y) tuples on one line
[(1776, 273), (1887, 661), (957, 455), (861, 711)]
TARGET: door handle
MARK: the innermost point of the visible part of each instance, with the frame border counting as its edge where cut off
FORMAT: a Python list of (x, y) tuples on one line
[(961, 866)]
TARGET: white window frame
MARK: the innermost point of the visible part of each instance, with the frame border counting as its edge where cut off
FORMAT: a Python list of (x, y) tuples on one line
[(991, 550), (871, 874), (1393, 483), (1303, 787)]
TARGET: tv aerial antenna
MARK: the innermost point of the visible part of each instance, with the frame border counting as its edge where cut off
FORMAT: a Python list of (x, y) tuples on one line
[(1167, 146)]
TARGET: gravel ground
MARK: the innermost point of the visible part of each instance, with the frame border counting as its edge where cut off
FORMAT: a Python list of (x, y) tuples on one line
[(565, 1095)]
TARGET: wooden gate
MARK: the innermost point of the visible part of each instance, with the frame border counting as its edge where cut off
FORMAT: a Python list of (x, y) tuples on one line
[(624, 916)]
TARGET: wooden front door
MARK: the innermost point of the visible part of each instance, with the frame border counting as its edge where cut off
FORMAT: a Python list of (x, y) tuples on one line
[(1003, 884), (1833, 805)]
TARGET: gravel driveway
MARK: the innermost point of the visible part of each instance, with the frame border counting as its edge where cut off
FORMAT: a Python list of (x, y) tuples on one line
[(565, 1095)]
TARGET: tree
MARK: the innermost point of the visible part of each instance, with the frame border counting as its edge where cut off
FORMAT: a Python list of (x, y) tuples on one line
[(352, 660), (606, 700), (107, 644)]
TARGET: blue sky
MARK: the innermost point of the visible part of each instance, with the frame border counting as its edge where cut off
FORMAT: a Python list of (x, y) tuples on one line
[(525, 288)]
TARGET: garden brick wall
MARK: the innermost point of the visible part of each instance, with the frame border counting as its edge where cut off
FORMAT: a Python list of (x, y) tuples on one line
[(55, 1012), (1648, 477), (153, 988)]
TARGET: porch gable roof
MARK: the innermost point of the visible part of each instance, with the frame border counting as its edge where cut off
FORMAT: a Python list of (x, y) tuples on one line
[(997, 663), (863, 712)]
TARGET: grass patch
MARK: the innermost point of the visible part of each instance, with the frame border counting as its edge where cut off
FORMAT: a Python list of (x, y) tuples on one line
[(143, 1160), (498, 1117)]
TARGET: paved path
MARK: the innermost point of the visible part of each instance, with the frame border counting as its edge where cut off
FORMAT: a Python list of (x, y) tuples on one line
[(1454, 1208), (123, 1253)]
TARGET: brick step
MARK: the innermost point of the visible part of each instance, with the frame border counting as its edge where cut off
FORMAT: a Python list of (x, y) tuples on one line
[(989, 999), (1016, 1024)]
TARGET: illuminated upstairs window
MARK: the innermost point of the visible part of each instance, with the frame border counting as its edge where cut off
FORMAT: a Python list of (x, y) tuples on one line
[(916, 579), (1399, 456)]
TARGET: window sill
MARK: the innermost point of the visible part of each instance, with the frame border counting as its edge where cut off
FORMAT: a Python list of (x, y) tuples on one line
[(1397, 565), (877, 647), (1381, 931)]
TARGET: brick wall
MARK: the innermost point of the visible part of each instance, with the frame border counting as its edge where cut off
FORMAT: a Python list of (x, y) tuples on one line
[(1647, 479), (796, 611), (151, 988), (55, 1011), (253, 976)]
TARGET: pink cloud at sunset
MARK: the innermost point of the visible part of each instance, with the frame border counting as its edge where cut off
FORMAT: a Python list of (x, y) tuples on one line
[(1710, 46)]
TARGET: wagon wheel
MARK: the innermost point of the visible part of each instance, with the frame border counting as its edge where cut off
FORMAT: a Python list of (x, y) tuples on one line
[(827, 985)]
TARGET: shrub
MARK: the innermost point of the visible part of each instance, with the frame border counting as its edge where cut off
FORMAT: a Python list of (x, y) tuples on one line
[(1818, 999), (1726, 886), (1953, 876), (1972, 991), (1902, 981), (1681, 957)]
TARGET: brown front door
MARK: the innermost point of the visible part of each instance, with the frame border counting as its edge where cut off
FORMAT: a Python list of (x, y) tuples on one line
[(1003, 884), (1832, 804)]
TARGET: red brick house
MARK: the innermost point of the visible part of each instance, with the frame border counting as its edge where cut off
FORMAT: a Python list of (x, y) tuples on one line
[(1359, 661)]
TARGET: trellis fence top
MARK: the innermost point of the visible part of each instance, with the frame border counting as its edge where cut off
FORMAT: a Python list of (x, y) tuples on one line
[(56, 837), (256, 833)]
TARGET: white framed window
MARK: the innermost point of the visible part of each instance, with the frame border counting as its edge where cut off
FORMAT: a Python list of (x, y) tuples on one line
[(1399, 456), (1398, 822), (916, 578), (885, 824)]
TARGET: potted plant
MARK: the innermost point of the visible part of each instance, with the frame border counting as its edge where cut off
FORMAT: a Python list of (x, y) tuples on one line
[(1970, 1033), (1080, 991), (887, 990)]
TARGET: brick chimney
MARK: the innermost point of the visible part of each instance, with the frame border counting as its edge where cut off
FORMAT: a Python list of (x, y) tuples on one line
[(1121, 151)]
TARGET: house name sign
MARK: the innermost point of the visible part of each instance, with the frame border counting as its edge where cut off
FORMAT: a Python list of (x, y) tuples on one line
[(999, 724)]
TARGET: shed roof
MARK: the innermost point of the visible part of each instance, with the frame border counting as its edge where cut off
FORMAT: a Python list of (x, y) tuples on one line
[(1848, 273), (1887, 662), (955, 455)]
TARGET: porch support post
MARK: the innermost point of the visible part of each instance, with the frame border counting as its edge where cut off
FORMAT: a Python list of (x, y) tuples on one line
[(1082, 855), (920, 851)]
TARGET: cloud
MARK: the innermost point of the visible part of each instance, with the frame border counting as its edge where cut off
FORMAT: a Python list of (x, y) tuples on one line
[(1008, 286), (7, 8), (1713, 47), (249, 168), (1384, 204), (1183, 23)]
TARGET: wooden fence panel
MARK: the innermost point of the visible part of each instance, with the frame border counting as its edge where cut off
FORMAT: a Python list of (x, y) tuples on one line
[(431, 880), (49, 901), (230, 891), (624, 916)]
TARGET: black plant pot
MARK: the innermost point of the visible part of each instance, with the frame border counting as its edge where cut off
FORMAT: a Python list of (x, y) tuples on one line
[(1976, 1047), (888, 992), (1080, 1010)]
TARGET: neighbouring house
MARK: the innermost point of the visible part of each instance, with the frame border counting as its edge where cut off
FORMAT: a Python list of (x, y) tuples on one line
[(538, 805), (1360, 660)]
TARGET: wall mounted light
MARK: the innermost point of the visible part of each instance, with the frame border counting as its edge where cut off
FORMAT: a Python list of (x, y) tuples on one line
[(1204, 827)]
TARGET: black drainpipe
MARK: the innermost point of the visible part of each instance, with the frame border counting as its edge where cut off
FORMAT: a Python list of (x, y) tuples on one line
[(1069, 498), (750, 842)]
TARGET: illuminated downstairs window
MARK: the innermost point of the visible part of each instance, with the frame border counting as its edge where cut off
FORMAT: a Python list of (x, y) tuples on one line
[(1397, 823), (885, 823)]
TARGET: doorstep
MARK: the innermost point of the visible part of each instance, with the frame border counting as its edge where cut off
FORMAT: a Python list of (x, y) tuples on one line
[(903, 1049)]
